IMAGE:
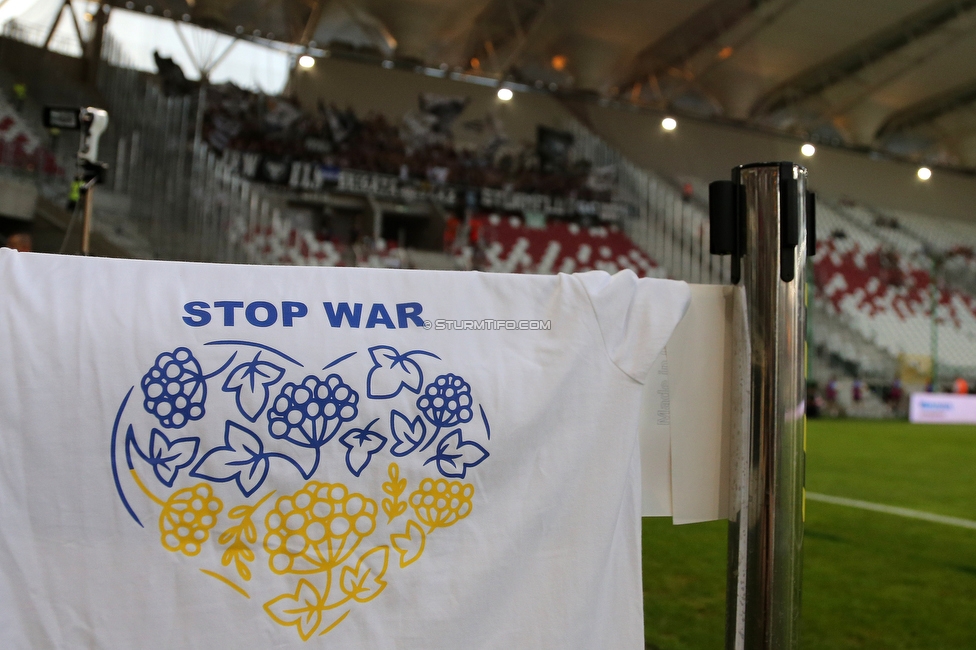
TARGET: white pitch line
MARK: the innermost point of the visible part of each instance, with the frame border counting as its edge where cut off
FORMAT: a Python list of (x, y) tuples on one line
[(893, 510)]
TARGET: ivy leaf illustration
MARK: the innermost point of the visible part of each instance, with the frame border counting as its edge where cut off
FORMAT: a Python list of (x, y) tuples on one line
[(410, 545), (301, 609), (241, 459), (454, 456), (408, 435), (365, 582), (360, 446), (252, 381), (168, 458), (392, 372)]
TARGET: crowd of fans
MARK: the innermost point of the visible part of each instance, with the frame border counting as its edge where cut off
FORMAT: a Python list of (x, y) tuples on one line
[(420, 147)]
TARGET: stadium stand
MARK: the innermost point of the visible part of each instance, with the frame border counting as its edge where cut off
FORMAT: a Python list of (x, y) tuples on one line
[(872, 284), (872, 274), (886, 295), (418, 146), (513, 247)]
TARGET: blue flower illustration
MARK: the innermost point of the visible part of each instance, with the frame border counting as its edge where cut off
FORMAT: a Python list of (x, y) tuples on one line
[(175, 389), (310, 414), (360, 446), (446, 403)]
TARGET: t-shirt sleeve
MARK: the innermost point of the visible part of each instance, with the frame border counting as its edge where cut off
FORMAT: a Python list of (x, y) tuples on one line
[(636, 316)]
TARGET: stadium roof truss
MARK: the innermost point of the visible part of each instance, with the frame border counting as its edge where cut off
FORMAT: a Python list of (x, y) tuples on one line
[(895, 76)]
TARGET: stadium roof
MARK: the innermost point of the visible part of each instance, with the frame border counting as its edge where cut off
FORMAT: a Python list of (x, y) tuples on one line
[(889, 75)]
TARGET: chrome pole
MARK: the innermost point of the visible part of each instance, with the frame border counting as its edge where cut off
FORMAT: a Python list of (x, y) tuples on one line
[(769, 242)]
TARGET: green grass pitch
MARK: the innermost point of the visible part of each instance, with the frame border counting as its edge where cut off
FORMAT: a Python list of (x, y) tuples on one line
[(871, 580)]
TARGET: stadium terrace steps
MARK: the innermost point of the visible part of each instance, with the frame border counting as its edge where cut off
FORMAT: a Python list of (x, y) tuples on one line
[(887, 298), (871, 406), (513, 247), (833, 337), (509, 247), (878, 225)]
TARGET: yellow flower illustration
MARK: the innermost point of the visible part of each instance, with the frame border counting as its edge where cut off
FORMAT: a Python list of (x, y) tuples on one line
[(440, 503), (187, 517), (317, 528)]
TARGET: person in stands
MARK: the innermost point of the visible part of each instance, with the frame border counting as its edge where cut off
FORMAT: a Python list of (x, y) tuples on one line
[(74, 194), (451, 226), (814, 402), (896, 394), (18, 241), (831, 391), (960, 386), (20, 95)]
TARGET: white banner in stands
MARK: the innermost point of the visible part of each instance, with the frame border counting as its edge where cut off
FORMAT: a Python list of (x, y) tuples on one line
[(219, 456), (942, 408)]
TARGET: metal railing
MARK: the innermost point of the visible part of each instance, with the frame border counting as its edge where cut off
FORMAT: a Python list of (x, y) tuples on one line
[(670, 227)]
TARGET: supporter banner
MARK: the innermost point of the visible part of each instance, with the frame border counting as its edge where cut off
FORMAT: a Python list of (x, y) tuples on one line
[(555, 206), (222, 456), (310, 176), (942, 408), (390, 187)]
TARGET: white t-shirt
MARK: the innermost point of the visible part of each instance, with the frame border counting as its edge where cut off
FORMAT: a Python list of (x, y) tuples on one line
[(217, 456)]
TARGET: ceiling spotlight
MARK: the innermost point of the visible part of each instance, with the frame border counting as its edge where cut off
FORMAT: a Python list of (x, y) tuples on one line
[(669, 124), (306, 61), (808, 150), (924, 173), (504, 94)]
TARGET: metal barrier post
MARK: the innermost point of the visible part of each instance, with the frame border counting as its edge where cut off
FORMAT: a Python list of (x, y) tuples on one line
[(760, 218)]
